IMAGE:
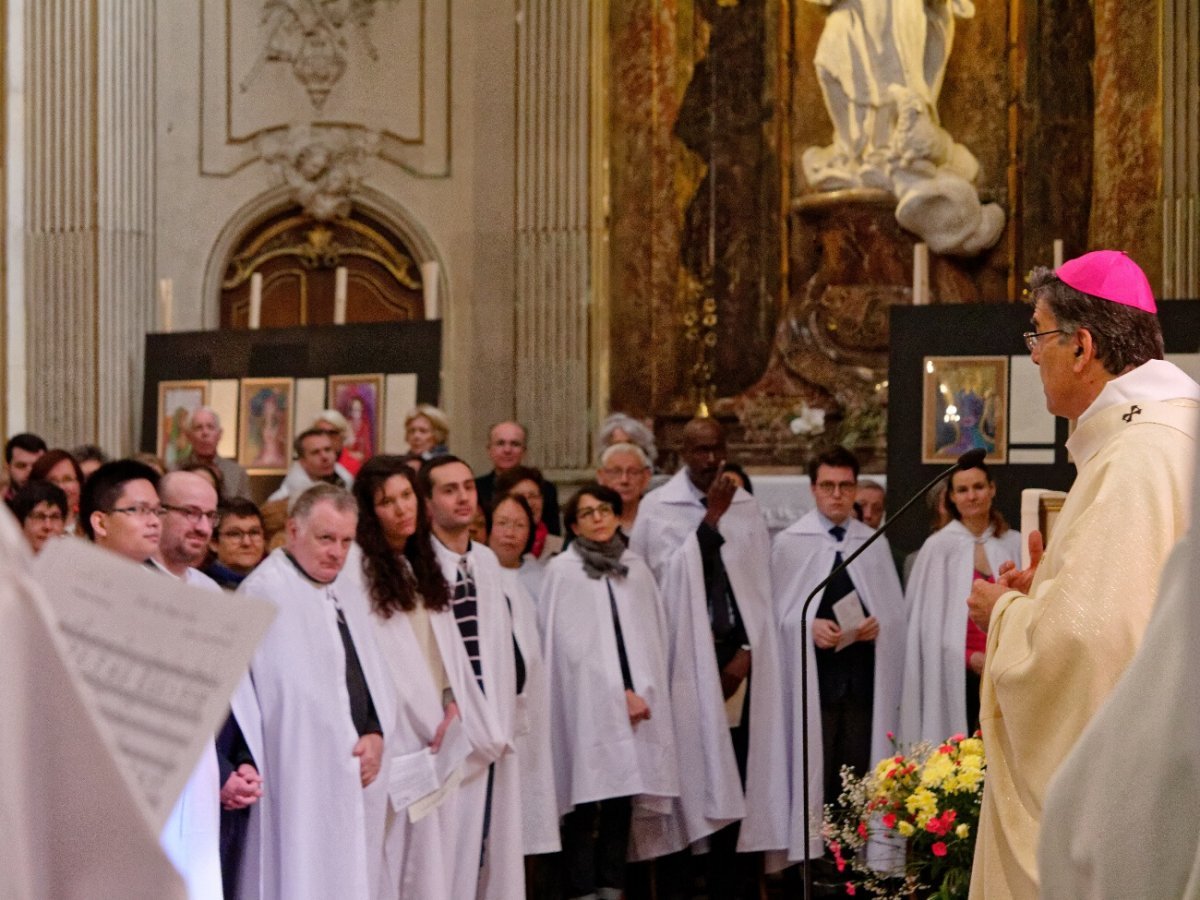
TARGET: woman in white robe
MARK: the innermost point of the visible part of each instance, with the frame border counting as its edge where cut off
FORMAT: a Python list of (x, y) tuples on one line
[(945, 651), (438, 855), (511, 523), (611, 725)]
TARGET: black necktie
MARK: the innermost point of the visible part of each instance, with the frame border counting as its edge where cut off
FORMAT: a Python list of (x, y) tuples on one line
[(841, 584), (466, 613)]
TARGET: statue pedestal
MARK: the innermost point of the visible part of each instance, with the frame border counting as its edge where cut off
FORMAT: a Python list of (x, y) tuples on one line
[(850, 262)]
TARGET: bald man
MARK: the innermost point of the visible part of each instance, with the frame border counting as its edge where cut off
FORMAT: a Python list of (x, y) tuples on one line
[(706, 540)]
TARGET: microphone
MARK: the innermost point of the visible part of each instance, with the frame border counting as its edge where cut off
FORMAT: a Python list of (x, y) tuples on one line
[(969, 460)]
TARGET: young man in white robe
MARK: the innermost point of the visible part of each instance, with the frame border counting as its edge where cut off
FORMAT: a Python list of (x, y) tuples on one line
[(120, 510), (477, 602), (1061, 632), (318, 694), (613, 740), (854, 672), (706, 541)]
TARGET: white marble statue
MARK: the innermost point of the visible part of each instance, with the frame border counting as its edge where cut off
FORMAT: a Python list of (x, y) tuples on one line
[(880, 64)]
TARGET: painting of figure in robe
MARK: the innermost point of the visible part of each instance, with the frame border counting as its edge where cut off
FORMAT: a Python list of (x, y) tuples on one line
[(177, 400), (966, 408), (360, 399), (265, 435)]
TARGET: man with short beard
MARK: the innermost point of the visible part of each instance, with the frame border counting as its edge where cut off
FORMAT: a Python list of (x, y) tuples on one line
[(189, 502)]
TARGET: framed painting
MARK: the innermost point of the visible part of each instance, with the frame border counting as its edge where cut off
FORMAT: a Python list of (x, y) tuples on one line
[(177, 400), (360, 399), (265, 408), (965, 408)]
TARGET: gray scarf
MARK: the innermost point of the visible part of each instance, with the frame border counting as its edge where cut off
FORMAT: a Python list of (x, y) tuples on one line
[(604, 559)]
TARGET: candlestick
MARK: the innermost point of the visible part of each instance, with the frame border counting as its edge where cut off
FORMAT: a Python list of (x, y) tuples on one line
[(429, 286), (166, 302), (920, 290), (341, 279), (1058, 253), (256, 284)]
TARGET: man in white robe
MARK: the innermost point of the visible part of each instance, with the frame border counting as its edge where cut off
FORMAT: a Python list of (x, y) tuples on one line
[(854, 691), (706, 540), (120, 510), (1120, 820), (318, 693), (1061, 633), (485, 624)]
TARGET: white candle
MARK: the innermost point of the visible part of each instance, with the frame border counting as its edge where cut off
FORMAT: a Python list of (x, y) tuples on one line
[(920, 289), (1058, 253), (341, 279), (166, 300), (429, 285), (256, 301)]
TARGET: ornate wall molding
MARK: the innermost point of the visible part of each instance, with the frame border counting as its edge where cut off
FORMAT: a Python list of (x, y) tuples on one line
[(270, 65), (278, 199)]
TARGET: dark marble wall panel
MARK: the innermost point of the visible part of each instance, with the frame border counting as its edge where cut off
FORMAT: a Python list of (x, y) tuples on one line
[(1057, 109), (644, 227), (1127, 185), (731, 222)]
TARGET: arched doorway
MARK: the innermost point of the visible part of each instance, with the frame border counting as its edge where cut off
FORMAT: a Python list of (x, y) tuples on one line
[(298, 257)]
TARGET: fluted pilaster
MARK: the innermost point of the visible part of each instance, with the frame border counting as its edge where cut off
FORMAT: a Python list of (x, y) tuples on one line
[(553, 255), (88, 211)]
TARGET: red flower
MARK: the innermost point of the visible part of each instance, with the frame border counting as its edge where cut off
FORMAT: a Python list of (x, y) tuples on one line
[(862, 828), (936, 826), (851, 889), (889, 820), (958, 738), (891, 735), (939, 849), (949, 816)]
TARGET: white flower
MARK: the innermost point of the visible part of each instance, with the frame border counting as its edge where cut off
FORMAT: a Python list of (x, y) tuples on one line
[(810, 421)]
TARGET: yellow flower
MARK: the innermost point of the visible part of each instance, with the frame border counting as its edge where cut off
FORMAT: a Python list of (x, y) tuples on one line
[(963, 830), (922, 804), (937, 769), (906, 829), (971, 746)]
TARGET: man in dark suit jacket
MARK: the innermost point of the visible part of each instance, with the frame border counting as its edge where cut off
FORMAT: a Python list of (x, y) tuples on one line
[(506, 446)]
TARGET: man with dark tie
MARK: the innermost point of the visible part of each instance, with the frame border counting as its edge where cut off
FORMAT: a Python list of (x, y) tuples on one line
[(311, 712), (855, 651), (491, 799), (706, 541)]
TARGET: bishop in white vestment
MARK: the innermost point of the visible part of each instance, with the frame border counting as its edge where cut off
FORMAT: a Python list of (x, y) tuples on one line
[(1060, 636)]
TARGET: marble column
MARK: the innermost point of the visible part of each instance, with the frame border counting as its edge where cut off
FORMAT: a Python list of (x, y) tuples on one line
[(88, 207), (1181, 148), (1128, 151), (553, 206)]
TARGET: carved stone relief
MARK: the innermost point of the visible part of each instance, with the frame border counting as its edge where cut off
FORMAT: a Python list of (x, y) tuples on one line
[(321, 167), (270, 66)]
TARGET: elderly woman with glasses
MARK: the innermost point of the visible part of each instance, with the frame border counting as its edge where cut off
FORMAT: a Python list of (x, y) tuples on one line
[(611, 727), (625, 468)]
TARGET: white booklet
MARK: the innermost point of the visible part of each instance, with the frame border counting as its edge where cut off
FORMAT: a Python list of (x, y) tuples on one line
[(850, 616), (155, 661), (420, 781)]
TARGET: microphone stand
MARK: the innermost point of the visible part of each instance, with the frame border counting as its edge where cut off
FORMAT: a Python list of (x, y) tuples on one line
[(968, 460)]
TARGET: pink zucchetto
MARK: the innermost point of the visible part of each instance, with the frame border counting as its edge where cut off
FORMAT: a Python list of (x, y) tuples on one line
[(1111, 275)]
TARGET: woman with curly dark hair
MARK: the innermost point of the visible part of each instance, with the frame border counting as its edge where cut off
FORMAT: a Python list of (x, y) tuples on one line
[(439, 706)]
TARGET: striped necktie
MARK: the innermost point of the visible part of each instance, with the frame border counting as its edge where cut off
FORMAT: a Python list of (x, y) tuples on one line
[(466, 613)]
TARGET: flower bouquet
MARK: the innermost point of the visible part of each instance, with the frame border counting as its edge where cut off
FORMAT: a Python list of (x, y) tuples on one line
[(925, 803)]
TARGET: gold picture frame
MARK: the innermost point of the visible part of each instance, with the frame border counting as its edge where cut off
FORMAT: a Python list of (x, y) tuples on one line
[(965, 408), (360, 398), (265, 411), (177, 400)]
